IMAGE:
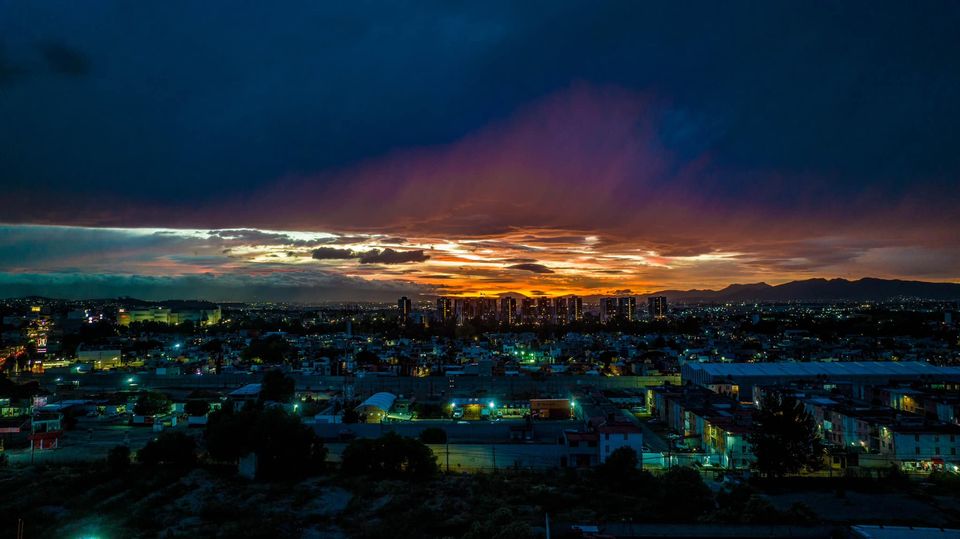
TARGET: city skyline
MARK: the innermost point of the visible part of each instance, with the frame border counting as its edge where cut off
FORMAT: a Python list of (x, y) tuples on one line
[(656, 155)]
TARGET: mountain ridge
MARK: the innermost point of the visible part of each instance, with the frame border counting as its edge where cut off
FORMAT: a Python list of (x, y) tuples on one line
[(867, 288)]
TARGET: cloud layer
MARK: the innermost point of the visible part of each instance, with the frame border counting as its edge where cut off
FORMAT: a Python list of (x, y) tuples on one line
[(551, 147)]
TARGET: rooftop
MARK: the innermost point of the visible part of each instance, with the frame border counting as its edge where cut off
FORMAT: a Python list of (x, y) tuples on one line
[(834, 368)]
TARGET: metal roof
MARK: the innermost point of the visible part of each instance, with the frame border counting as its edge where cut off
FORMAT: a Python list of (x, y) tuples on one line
[(249, 390), (812, 369), (382, 400)]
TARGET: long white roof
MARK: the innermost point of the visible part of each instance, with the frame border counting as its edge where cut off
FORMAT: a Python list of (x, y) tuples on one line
[(833, 368)]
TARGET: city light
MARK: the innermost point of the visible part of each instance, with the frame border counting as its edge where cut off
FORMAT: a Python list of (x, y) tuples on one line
[(547, 270)]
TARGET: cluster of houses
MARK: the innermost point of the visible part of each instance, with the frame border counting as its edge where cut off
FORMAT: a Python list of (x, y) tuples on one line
[(869, 414)]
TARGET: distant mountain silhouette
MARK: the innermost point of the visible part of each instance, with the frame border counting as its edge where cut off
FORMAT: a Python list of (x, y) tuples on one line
[(820, 289)]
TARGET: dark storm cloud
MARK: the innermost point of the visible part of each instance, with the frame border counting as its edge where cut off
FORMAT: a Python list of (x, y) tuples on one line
[(390, 256), (625, 131), (373, 256), (533, 268), (332, 253), (862, 93), (64, 60)]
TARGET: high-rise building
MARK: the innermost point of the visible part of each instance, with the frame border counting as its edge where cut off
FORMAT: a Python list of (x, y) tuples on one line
[(618, 308), (405, 308), (574, 309), (508, 310), (462, 310), (444, 309), (544, 311), (608, 309), (486, 309), (657, 307), (528, 311), (560, 310), (627, 308)]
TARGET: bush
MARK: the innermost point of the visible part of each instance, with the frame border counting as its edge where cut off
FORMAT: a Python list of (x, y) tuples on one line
[(170, 448), (433, 435), (196, 408), (620, 471), (118, 459), (428, 410), (152, 403)]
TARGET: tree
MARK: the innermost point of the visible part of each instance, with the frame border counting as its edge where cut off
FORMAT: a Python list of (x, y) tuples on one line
[(366, 357), (350, 416), (273, 350), (682, 495), (389, 456), (428, 410), (784, 437), (276, 386), (433, 435), (118, 459), (196, 407), (152, 403), (284, 446), (619, 471), (170, 448)]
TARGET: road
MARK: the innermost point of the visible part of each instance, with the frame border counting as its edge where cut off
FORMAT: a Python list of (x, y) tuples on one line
[(482, 457), (462, 432), (90, 440)]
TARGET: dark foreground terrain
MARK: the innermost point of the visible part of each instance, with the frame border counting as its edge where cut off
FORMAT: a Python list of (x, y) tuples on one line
[(99, 500)]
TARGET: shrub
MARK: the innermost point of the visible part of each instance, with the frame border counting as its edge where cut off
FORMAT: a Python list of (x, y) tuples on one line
[(196, 408), (170, 448), (152, 403), (118, 459)]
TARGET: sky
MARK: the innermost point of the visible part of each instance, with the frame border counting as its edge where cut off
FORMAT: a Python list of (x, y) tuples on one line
[(333, 151)]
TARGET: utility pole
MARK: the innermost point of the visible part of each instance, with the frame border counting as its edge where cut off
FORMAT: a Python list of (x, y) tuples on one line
[(33, 438), (448, 455)]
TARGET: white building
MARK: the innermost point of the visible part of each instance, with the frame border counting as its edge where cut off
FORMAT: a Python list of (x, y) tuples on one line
[(613, 436)]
